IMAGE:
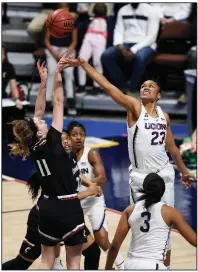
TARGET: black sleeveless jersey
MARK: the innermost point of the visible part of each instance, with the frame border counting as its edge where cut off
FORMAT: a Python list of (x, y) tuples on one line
[(58, 170)]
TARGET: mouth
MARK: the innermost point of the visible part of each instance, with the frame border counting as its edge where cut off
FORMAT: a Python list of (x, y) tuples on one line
[(78, 143), (146, 92)]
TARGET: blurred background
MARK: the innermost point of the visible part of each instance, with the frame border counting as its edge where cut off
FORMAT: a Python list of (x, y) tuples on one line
[(159, 41)]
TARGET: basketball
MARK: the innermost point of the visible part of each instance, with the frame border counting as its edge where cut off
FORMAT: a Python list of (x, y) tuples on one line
[(60, 23)]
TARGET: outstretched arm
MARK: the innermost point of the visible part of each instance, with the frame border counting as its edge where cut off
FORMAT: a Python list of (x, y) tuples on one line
[(128, 102), (58, 100), (41, 98)]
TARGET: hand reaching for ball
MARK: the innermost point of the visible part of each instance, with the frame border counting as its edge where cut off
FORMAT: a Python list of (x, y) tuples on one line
[(42, 69), (69, 61)]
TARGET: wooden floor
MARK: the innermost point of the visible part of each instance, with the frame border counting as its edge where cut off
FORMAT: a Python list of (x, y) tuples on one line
[(16, 204)]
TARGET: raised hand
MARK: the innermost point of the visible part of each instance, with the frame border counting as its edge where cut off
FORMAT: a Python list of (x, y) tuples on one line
[(69, 61), (42, 68)]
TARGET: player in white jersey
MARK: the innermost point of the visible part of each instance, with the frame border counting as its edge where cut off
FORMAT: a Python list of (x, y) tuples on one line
[(150, 222), (91, 166), (149, 133)]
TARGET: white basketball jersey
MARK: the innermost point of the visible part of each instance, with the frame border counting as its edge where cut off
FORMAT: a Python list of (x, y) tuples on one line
[(146, 141), (149, 232), (85, 168)]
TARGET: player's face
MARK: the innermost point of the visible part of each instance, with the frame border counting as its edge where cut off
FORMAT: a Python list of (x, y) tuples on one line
[(42, 127), (66, 141), (149, 91), (77, 138)]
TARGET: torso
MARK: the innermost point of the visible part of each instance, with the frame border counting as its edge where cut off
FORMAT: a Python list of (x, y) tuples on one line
[(58, 171), (149, 232), (146, 140)]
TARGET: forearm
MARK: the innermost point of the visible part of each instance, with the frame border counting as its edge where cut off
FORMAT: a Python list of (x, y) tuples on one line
[(176, 156), (41, 101), (111, 90), (112, 254), (85, 182), (15, 93), (100, 180), (84, 194), (58, 94)]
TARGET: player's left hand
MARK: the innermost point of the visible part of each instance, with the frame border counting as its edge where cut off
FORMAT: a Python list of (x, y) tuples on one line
[(42, 68), (187, 179)]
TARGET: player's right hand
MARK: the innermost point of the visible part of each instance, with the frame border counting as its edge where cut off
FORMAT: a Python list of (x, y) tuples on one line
[(71, 62)]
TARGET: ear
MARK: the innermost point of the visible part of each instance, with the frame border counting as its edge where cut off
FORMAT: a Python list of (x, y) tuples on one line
[(38, 134), (158, 96)]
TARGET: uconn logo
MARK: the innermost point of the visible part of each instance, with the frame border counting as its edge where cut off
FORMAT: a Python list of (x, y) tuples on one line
[(157, 126)]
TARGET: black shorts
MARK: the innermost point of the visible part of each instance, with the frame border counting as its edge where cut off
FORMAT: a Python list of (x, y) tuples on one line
[(61, 220), (31, 246)]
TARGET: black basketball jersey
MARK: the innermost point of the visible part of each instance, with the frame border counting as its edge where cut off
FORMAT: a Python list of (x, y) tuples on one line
[(58, 171)]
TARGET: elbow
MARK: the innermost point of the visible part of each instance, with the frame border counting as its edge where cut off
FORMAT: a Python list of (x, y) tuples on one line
[(103, 180)]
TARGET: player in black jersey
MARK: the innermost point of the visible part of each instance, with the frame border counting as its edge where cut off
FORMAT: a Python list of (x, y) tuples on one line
[(60, 213)]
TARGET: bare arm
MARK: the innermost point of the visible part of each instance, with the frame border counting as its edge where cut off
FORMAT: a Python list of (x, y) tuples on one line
[(173, 150), (184, 229), (58, 100), (15, 93), (99, 171), (85, 181), (91, 190), (41, 98), (176, 156), (125, 101), (128, 102), (121, 232)]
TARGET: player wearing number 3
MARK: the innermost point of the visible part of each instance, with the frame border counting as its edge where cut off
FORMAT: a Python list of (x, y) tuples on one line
[(150, 221), (149, 133)]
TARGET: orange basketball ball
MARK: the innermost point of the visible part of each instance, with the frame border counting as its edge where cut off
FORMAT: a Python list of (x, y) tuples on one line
[(60, 22)]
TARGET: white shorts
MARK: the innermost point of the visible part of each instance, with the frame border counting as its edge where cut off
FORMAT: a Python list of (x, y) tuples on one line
[(95, 209), (136, 179), (143, 264)]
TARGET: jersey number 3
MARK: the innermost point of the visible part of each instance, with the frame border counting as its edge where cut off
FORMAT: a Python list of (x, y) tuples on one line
[(146, 215), (154, 140), (43, 167)]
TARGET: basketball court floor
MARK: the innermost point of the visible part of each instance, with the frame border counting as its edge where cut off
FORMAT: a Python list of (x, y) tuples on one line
[(16, 202)]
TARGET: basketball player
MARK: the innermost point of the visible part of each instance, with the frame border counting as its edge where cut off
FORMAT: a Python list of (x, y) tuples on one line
[(91, 166), (91, 250), (150, 221), (149, 132), (31, 246), (60, 214)]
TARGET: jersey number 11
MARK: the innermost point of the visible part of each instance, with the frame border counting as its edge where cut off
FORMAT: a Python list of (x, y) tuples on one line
[(43, 167)]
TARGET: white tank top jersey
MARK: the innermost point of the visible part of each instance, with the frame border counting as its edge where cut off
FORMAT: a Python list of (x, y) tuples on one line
[(149, 233), (146, 141), (85, 167)]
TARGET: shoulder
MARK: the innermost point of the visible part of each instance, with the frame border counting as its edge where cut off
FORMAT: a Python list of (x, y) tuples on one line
[(167, 117), (93, 156), (128, 211)]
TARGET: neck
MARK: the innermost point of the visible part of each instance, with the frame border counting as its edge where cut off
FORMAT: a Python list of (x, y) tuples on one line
[(78, 152), (150, 107)]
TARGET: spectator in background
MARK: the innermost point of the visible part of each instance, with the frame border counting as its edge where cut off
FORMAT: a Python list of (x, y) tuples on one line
[(94, 43), (36, 27), (191, 146), (171, 12), (9, 76), (55, 49), (135, 36)]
